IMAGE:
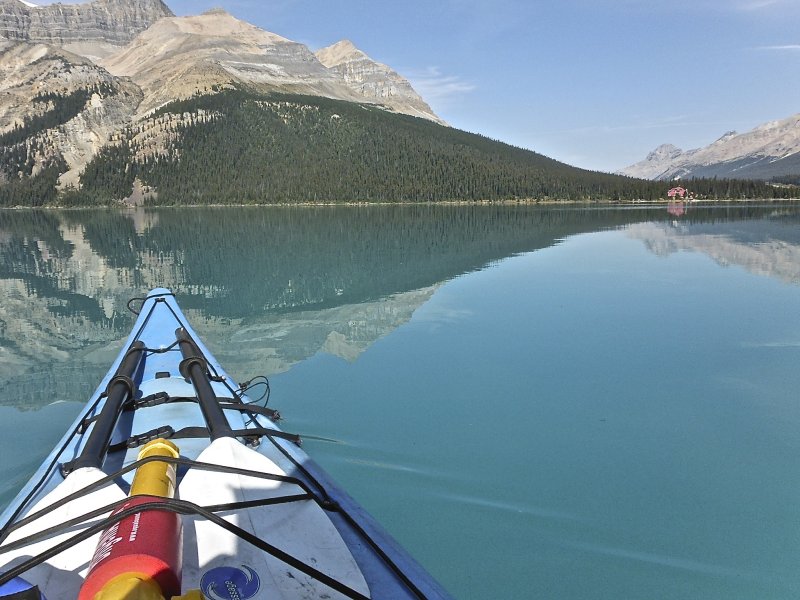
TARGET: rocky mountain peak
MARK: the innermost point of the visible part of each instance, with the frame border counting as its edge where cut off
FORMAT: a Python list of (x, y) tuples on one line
[(215, 23), (664, 151), (217, 11), (728, 135), (374, 81), (338, 53)]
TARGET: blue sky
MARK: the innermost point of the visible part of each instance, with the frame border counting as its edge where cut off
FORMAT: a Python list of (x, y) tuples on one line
[(595, 83)]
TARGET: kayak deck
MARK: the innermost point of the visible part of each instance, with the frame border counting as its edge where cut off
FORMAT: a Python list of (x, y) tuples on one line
[(258, 515)]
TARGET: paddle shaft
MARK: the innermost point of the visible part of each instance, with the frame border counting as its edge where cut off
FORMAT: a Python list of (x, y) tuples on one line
[(120, 388), (194, 368)]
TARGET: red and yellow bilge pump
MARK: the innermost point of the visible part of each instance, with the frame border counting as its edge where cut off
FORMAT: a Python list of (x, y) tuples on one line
[(139, 558)]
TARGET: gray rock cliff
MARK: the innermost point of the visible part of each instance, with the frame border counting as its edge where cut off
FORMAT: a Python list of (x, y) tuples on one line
[(114, 22)]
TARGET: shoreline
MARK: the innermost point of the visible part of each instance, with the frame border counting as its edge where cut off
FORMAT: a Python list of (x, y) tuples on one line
[(529, 202)]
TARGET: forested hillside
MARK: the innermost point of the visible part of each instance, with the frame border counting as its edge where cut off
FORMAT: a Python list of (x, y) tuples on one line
[(303, 149), (243, 148), (22, 144)]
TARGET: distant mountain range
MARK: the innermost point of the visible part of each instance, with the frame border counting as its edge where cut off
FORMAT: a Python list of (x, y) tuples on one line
[(120, 100), (770, 152)]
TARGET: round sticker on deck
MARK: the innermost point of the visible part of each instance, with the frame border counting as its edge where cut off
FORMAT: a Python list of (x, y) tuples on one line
[(230, 583)]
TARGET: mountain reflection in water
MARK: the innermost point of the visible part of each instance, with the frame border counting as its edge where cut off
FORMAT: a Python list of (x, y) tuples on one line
[(769, 246), (269, 287)]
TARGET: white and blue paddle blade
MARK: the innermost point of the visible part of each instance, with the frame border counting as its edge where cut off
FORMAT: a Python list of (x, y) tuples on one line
[(62, 575), (216, 559)]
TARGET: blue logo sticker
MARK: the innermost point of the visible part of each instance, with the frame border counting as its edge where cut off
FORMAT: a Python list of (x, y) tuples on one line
[(230, 583)]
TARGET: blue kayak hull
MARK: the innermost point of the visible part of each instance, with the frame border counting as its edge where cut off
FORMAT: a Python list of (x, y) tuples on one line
[(163, 400)]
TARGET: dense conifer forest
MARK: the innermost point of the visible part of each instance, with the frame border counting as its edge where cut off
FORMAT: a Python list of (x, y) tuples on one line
[(254, 149)]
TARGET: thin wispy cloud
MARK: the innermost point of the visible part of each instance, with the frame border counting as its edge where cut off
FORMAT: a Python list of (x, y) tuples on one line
[(437, 87), (759, 4), (783, 48), (769, 9)]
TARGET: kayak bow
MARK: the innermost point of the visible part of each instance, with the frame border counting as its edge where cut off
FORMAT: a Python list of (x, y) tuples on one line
[(171, 481)]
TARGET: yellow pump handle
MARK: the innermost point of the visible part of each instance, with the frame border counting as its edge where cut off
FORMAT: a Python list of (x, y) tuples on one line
[(130, 586), (136, 586), (156, 478)]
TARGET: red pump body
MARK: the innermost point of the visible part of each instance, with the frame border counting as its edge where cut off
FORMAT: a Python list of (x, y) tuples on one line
[(146, 543)]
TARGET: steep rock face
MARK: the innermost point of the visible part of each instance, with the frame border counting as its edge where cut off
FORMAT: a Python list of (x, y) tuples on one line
[(769, 150), (38, 80), (374, 81), (179, 56), (94, 29)]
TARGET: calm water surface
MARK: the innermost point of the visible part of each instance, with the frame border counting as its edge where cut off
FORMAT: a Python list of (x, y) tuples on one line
[(538, 403)]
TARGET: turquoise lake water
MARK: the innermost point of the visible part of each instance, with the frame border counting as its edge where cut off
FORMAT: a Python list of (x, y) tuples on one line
[(536, 402)]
